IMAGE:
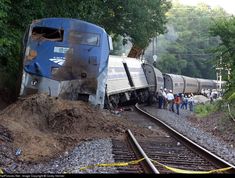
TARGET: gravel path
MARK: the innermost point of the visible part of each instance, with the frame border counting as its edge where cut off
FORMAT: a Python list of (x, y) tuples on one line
[(182, 124)]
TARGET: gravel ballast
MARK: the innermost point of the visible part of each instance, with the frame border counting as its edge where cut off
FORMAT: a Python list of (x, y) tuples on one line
[(86, 154), (182, 124), (98, 151), (90, 142)]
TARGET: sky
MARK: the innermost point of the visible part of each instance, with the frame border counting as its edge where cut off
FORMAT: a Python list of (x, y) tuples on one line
[(227, 5)]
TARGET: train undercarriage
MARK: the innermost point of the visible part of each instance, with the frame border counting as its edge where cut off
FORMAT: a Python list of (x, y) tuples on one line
[(126, 98)]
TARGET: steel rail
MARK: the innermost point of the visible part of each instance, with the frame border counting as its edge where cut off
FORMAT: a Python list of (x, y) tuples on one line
[(150, 165), (191, 144)]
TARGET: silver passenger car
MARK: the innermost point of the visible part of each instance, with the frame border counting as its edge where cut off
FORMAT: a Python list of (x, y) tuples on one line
[(191, 85), (205, 84), (154, 78), (117, 80), (218, 84), (174, 82), (125, 74), (137, 75)]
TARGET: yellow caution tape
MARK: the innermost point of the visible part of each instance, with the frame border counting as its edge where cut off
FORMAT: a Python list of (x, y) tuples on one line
[(197, 172), (182, 171), (119, 164), (176, 170), (1, 172)]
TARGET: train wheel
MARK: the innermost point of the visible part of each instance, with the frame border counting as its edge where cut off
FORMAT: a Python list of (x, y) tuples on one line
[(114, 101)]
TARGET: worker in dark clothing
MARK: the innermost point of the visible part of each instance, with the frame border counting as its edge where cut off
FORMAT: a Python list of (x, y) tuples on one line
[(184, 102), (150, 99), (160, 98)]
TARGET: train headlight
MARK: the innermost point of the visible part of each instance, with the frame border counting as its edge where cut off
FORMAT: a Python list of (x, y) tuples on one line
[(34, 82), (32, 54)]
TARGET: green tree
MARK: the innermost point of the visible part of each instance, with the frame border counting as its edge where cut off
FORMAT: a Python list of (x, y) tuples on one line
[(6, 45), (136, 20), (188, 41), (225, 29)]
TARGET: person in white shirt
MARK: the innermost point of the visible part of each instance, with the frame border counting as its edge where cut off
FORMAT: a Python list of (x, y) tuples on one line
[(170, 100), (164, 98), (190, 103)]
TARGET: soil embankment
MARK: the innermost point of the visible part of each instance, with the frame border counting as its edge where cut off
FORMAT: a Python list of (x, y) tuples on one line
[(43, 127)]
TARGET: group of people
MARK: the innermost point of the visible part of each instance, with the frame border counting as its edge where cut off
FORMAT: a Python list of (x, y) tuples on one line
[(211, 94), (167, 100)]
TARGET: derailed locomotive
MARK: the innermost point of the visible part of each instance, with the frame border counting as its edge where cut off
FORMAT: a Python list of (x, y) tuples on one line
[(69, 58)]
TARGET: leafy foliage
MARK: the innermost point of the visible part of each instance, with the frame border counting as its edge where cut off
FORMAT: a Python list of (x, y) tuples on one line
[(203, 110), (136, 20), (225, 29), (232, 98), (187, 47)]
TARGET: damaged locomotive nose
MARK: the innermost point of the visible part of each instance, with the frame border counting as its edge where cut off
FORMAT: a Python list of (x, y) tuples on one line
[(37, 68), (68, 56)]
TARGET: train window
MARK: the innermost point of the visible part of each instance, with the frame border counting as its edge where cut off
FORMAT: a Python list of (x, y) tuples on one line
[(191, 85), (46, 33), (84, 38)]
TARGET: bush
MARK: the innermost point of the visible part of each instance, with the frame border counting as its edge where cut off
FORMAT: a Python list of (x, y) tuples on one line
[(203, 110), (231, 98)]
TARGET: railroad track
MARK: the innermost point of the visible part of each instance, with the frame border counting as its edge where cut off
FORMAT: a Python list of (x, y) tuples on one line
[(168, 153), (129, 151)]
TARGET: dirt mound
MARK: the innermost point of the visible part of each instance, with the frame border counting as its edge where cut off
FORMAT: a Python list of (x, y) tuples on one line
[(43, 127)]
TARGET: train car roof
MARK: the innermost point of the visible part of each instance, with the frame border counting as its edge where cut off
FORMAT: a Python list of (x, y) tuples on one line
[(157, 71), (173, 75), (66, 22), (204, 80), (124, 58), (223, 82)]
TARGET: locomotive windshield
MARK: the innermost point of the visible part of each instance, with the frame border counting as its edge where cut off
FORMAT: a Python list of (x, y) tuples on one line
[(92, 39), (46, 33)]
